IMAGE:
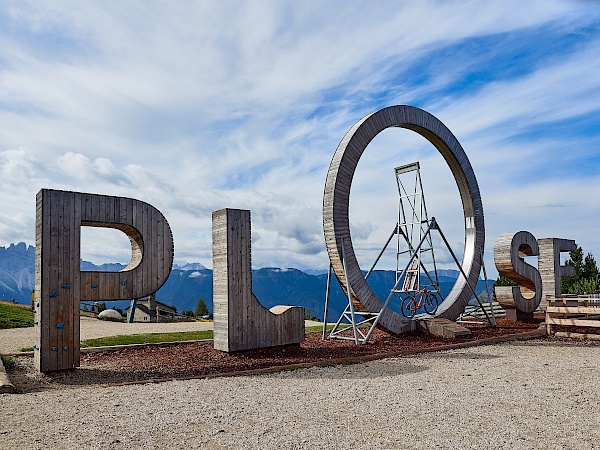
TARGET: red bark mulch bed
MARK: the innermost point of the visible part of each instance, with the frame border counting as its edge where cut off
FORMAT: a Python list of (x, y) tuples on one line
[(189, 360)]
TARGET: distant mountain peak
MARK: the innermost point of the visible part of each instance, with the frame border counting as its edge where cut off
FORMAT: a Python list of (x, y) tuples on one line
[(20, 247), (190, 266), (87, 266)]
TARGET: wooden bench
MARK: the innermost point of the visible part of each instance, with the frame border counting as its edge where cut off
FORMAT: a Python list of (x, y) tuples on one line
[(578, 311)]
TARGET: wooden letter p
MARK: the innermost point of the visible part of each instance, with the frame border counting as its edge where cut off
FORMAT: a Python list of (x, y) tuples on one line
[(60, 285)]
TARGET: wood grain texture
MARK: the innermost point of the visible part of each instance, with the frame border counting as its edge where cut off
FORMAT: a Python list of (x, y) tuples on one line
[(509, 250), (572, 311), (504, 296), (240, 321), (60, 285), (549, 265), (336, 204), (573, 322)]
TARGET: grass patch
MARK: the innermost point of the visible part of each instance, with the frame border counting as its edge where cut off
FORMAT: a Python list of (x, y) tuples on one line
[(343, 326), (350, 362), (14, 317), (148, 338), (8, 362), (156, 338), (317, 328)]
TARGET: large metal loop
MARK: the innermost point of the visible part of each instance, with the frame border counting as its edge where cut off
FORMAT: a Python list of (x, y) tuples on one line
[(336, 201)]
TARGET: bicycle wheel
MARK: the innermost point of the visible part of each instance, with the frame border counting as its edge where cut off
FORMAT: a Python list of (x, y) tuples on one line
[(431, 303), (409, 307)]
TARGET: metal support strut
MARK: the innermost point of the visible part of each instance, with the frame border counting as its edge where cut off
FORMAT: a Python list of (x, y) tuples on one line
[(350, 313), (371, 318)]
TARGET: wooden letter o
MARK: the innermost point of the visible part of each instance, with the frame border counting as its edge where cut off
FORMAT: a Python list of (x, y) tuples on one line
[(336, 201)]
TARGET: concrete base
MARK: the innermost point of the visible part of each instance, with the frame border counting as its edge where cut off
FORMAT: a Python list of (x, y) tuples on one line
[(442, 327), (518, 316)]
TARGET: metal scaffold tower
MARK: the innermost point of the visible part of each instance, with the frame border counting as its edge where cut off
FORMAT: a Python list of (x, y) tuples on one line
[(412, 227), (417, 288)]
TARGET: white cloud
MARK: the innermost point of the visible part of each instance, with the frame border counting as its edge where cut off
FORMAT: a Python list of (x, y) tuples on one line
[(76, 165), (201, 106), (20, 164)]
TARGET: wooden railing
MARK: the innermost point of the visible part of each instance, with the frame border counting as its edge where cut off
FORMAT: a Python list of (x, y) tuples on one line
[(578, 311)]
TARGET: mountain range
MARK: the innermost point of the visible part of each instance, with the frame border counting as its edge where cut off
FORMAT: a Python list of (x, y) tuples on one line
[(192, 281)]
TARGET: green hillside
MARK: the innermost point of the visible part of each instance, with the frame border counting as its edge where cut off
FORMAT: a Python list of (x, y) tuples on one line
[(15, 316)]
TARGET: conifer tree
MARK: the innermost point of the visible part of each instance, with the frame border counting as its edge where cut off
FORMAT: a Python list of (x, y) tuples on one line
[(201, 309), (586, 276)]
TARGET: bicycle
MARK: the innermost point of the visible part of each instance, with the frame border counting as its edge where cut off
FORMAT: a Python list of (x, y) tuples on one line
[(417, 299)]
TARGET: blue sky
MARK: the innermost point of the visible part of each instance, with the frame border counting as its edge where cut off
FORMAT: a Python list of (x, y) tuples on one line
[(197, 106)]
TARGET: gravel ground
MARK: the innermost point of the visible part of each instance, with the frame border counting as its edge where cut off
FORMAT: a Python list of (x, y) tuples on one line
[(522, 395)]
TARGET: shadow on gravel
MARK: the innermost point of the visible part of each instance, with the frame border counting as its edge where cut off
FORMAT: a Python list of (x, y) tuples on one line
[(360, 371), (27, 380)]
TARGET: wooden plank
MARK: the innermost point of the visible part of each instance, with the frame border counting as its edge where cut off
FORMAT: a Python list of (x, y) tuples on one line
[(42, 279), (145, 269), (100, 210), (573, 322), (573, 309), (75, 281), (38, 277), (64, 305), (46, 277), (54, 303), (157, 237), (138, 277), (110, 203)]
